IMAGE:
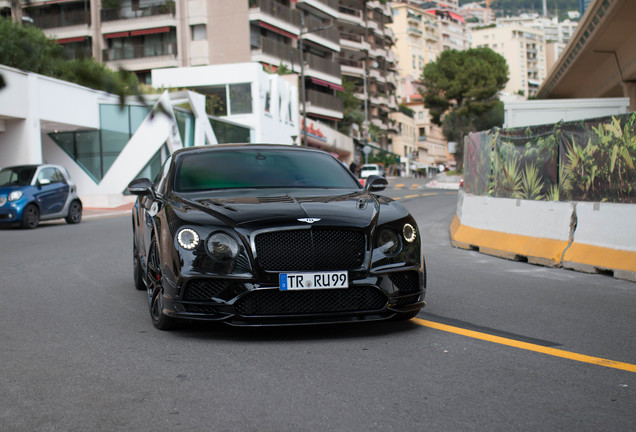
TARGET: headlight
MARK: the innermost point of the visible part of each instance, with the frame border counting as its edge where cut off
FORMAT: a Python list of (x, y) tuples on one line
[(188, 238), (409, 233), (222, 247), (15, 195), (389, 242)]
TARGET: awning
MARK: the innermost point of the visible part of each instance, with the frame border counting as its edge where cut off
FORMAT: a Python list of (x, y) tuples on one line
[(327, 84), (457, 17), (150, 31), (117, 35), (73, 39), (277, 30)]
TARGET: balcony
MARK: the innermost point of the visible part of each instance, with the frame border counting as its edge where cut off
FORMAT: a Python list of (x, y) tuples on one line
[(321, 68), (273, 52), (351, 16), (62, 19), (351, 67), (353, 42), (139, 51), (115, 14), (274, 10), (329, 37), (324, 100), (327, 8)]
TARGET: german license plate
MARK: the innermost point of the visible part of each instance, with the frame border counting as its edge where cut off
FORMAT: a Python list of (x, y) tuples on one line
[(316, 280)]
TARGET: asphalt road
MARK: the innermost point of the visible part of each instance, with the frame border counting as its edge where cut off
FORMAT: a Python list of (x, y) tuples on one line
[(79, 353)]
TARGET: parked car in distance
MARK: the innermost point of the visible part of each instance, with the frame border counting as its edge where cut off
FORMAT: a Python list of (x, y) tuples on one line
[(254, 234), (367, 170), (33, 193)]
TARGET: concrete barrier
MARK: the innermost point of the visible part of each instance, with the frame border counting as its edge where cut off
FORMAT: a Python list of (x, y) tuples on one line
[(580, 236), (604, 240)]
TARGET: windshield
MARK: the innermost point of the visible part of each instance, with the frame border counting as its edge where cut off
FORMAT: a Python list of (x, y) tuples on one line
[(370, 168), (17, 176), (268, 168)]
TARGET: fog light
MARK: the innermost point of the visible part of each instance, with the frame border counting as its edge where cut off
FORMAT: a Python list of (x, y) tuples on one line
[(188, 238), (409, 233)]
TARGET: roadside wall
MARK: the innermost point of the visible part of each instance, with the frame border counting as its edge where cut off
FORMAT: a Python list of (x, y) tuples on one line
[(588, 237), (562, 195)]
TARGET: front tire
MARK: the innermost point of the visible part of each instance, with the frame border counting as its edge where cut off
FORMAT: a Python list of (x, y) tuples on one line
[(155, 291), (30, 217), (74, 213), (138, 274)]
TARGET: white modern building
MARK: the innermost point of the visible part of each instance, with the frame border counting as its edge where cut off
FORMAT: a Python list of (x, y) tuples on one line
[(242, 93), (104, 145)]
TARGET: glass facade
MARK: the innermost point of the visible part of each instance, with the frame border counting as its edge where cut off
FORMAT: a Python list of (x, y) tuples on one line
[(96, 150)]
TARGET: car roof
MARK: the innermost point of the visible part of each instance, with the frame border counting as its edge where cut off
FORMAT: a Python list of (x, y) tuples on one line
[(244, 146), (34, 166)]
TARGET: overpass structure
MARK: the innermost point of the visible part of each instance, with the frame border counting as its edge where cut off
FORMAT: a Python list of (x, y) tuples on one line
[(600, 59)]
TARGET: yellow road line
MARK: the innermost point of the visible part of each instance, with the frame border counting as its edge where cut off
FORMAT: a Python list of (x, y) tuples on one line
[(411, 196), (527, 346), (429, 194)]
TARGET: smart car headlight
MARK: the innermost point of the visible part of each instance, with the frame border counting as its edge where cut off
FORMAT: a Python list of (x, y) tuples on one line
[(188, 238), (409, 233), (222, 246), (15, 195), (389, 242)]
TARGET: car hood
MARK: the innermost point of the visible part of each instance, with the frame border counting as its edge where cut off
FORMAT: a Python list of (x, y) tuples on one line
[(259, 209)]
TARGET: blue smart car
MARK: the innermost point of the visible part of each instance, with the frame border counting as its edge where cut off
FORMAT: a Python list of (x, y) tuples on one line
[(31, 193)]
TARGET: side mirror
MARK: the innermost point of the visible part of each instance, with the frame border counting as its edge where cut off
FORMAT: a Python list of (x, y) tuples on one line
[(44, 182), (141, 187), (376, 183)]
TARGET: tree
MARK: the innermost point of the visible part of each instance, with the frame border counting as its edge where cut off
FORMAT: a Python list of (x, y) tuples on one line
[(351, 111), (27, 48), (460, 92)]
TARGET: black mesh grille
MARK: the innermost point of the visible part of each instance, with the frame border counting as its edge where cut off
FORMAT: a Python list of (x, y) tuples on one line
[(275, 302), (199, 308), (406, 282), (203, 289), (311, 249)]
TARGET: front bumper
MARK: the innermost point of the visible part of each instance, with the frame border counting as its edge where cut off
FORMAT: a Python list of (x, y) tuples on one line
[(246, 303)]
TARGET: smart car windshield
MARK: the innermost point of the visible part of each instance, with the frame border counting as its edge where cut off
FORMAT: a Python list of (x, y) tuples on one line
[(253, 168), (17, 176)]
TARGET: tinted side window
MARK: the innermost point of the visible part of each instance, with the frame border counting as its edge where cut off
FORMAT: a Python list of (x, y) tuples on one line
[(162, 179), (47, 174)]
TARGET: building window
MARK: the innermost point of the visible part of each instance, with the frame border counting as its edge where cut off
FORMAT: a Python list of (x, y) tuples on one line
[(241, 98), (199, 32)]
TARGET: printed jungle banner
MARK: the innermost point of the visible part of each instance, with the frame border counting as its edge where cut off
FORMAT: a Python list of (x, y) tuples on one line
[(586, 160)]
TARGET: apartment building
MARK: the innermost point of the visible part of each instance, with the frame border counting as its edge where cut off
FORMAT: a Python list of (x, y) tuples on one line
[(524, 49), (477, 14), (303, 36), (366, 59), (417, 43)]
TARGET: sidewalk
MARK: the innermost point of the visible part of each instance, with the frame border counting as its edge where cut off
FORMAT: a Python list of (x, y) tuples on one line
[(97, 212)]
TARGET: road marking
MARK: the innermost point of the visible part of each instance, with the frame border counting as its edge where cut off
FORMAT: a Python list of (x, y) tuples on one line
[(527, 346), (429, 194), (411, 196)]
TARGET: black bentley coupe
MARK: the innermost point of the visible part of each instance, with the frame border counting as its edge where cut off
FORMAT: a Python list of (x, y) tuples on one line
[(252, 234)]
